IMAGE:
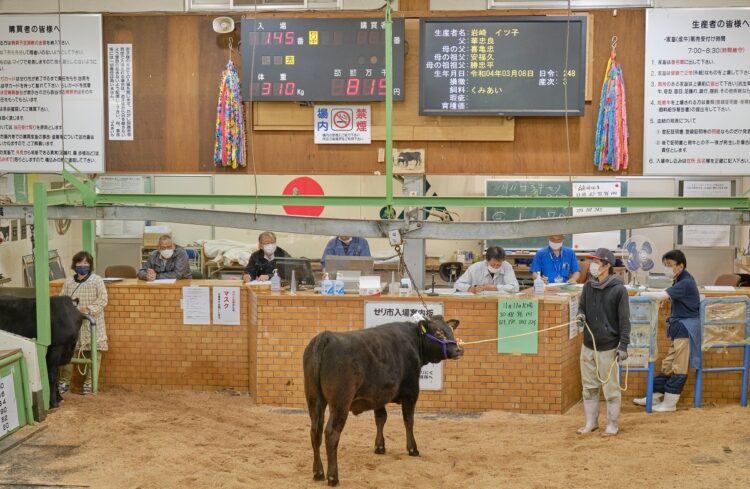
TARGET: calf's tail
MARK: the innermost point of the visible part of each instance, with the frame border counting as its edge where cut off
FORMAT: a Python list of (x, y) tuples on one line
[(311, 361)]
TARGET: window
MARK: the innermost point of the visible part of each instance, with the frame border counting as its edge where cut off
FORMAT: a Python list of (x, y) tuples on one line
[(244, 5), (577, 4)]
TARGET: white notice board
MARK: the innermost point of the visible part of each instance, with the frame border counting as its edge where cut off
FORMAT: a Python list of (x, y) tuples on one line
[(33, 141), (601, 239), (377, 313), (696, 99), (8, 407), (708, 235), (196, 305)]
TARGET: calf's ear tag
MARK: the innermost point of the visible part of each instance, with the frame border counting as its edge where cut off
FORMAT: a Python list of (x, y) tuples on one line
[(422, 326)]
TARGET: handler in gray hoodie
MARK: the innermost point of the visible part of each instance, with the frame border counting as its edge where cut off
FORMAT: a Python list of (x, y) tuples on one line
[(605, 307)]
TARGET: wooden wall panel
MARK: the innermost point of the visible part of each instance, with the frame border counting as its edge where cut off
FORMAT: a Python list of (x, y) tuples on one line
[(178, 60)]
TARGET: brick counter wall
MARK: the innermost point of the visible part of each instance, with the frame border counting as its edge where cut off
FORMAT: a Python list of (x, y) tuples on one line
[(548, 382), (150, 348)]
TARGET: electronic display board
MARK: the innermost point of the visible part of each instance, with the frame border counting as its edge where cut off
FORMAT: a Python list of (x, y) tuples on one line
[(502, 65), (326, 60)]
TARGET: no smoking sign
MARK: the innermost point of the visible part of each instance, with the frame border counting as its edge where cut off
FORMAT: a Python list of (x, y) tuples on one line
[(342, 124), (342, 119)]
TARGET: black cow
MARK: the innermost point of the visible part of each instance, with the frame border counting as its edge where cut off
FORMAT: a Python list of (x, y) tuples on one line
[(18, 316), (361, 370), (406, 156)]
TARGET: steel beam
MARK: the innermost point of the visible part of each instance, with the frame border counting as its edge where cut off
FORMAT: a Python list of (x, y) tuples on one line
[(41, 279), (379, 228)]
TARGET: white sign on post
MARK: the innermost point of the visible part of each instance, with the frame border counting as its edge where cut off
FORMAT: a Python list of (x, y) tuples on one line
[(708, 235), (226, 305), (34, 131), (196, 305), (120, 90), (8, 406), (342, 124), (602, 239), (377, 313), (697, 106)]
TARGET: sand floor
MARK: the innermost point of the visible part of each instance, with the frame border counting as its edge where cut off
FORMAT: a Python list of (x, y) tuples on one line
[(160, 440)]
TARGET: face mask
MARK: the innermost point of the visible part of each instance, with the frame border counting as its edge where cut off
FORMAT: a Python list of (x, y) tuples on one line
[(555, 246), (269, 249), (167, 254), (670, 272), (493, 270), (82, 270), (595, 269), (346, 241)]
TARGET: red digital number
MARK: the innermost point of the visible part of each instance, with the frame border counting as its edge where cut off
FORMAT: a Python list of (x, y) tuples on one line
[(278, 88), (265, 38), (352, 87), (265, 88), (381, 86), (289, 88), (370, 85), (289, 38), (278, 37)]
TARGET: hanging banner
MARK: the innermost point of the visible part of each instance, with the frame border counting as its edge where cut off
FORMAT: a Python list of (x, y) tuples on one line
[(517, 317), (32, 129), (697, 102), (120, 90), (226, 305), (342, 124), (377, 313)]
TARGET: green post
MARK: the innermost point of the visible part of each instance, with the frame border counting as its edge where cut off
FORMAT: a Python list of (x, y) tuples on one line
[(89, 231), (41, 280), (389, 108)]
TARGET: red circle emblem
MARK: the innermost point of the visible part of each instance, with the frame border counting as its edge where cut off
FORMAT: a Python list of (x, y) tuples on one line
[(303, 186)]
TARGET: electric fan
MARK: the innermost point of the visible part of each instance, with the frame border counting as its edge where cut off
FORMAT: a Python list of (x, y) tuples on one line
[(639, 254)]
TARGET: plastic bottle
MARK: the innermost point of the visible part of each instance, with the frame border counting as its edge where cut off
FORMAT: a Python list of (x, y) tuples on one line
[(326, 286), (538, 284), (275, 282), (293, 284), (338, 286)]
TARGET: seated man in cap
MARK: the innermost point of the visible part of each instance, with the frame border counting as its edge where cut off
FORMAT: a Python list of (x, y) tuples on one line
[(605, 308)]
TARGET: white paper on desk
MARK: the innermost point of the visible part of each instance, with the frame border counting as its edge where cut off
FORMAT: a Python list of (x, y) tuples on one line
[(259, 282), (464, 294), (494, 292), (718, 288), (196, 305), (163, 281), (440, 291)]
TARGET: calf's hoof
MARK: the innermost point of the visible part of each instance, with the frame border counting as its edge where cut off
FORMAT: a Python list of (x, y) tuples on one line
[(414, 453), (319, 476), (333, 481), (380, 450)]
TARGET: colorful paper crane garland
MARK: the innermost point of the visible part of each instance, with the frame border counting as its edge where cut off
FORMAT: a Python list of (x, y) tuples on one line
[(611, 145), (230, 127)]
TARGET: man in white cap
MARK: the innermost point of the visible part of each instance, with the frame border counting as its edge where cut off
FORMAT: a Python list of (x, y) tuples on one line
[(604, 306)]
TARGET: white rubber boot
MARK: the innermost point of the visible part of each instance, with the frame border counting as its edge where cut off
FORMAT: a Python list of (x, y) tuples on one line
[(657, 398), (591, 408), (613, 419), (669, 403)]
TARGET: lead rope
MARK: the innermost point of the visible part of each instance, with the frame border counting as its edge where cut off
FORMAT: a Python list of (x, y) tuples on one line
[(596, 359), (402, 263)]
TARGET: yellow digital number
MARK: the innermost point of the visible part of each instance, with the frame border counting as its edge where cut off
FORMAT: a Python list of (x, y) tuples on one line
[(289, 59), (313, 38)]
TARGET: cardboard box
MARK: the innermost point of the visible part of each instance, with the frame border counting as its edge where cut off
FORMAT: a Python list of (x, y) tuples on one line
[(746, 260), (152, 239)]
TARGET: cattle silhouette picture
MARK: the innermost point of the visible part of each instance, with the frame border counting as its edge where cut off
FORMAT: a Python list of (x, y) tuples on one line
[(408, 161), (364, 370)]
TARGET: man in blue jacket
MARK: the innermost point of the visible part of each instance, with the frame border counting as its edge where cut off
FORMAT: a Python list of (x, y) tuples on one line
[(345, 246), (683, 329), (555, 262)]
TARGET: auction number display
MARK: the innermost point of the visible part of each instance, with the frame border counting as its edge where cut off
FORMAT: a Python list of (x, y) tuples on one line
[(319, 60)]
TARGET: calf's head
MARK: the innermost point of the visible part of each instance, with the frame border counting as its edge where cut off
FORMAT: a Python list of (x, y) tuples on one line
[(438, 340)]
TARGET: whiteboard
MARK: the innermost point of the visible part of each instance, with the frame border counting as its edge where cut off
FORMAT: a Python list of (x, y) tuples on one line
[(696, 102), (708, 235), (33, 141), (601, 239), (117, 184)]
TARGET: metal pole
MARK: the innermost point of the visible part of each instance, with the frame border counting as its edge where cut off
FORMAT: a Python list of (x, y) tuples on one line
[(388, 109), (41, 281), (89, 232)]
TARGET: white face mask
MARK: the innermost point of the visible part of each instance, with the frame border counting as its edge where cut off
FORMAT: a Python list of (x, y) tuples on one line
[(167, 254), (268, 249), (555, 246), (494, 270), (346, 241), (595, 269), (669, 271)]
